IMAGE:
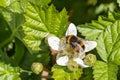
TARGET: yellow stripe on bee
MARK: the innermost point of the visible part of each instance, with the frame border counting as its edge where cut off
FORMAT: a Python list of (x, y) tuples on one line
[(69, 37), (81, 44), (76, 48)]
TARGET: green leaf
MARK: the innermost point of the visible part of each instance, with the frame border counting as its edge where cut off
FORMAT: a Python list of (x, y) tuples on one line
[(8, 72), (87, 74), (105, 71), (10, 23), (118, 1), (93, 30), (114, 16), (40, 2), (105, 7), (4, 57), (3, 3), (6, 3), (40, 22), (4, 29), (27, 60), (108, 43), (13, 5), (19, 52), (112, 71), (118, 74), (60, 73), (43, 57)]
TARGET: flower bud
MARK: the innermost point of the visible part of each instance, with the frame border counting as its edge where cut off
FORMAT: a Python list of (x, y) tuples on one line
[(37, 67), (90, 59), (72, 65)]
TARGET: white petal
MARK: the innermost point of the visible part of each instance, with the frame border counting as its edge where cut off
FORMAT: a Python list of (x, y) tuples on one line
[(54, 42), (89, 45), (80, 62), (71, 30), (62, 61)]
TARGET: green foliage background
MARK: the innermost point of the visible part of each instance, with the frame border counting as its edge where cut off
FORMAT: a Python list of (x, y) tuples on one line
[(24, 25)]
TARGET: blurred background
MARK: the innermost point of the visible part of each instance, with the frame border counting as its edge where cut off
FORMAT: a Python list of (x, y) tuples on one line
[(82, 11)]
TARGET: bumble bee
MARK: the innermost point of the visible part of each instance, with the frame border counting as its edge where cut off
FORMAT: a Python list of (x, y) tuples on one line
[(77, 44)]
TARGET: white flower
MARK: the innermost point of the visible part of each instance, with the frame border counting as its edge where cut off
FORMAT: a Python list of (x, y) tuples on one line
[(64, 60), (54, 43)]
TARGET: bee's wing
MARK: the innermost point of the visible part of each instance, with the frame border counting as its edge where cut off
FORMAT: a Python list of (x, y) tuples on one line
[(71, 30), (54, 42), (81, 50), (89, 45)]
